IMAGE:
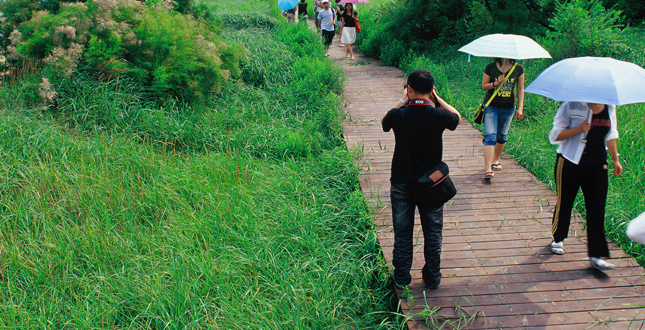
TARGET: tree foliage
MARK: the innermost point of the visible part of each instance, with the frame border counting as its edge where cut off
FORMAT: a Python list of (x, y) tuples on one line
[(569, 27), (586, 28)]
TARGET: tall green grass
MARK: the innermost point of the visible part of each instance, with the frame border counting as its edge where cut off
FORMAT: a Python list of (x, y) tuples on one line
[(241, 212)]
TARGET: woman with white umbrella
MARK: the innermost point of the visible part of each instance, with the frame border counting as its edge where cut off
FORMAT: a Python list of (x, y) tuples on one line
[(499, 113), (582, 163), (505, 48)]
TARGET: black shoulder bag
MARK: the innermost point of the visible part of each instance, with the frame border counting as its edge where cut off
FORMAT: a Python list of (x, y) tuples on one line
[(431, 183)]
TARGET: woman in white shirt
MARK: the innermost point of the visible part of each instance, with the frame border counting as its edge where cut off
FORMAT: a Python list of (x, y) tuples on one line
[(584, 132)]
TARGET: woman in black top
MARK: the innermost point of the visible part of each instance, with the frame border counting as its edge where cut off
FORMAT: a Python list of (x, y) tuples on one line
[(500, 112), (348, 29), (302, 8), (583, 143)]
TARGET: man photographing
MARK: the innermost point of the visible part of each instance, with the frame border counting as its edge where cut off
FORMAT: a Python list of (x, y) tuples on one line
[(418, 120)]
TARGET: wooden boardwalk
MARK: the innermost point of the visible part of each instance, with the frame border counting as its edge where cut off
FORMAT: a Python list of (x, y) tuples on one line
[(496, 263)]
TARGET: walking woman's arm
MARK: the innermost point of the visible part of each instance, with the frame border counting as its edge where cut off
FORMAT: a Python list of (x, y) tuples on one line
[(519, 113), (612, 146), (486, 83)]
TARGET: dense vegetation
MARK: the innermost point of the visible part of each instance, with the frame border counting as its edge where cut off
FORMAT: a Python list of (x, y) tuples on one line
[(232, 206), (566, 29), (169, 54), (173, 164)]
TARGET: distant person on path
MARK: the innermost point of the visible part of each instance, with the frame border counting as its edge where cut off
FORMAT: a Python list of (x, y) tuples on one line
[(326, 20), (302, 8), (318, 6), (636, 229), (348, 29), (582, 163), (339, 19), (499, 113), (418, 120), (291, 15)]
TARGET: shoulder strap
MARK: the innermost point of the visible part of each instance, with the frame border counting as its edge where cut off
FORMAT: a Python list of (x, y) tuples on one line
[(508, 74)]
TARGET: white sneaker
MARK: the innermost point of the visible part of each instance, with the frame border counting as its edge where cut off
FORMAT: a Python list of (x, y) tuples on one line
[(599, 264), (557, 247)]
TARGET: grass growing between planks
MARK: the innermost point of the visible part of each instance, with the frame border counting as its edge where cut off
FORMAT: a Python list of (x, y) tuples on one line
[(241, 212)]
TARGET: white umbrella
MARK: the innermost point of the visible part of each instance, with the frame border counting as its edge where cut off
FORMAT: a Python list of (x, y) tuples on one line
[(505, 46), (593, 80)]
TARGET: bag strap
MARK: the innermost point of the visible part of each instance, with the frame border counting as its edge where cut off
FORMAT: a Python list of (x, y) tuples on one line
[(508, 74)]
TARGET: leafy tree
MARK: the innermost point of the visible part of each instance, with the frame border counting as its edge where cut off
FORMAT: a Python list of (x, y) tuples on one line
[(634, 11), (586, 28)]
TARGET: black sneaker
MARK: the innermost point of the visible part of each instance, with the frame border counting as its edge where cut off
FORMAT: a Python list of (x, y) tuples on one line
[(396, 284), (432, 286)]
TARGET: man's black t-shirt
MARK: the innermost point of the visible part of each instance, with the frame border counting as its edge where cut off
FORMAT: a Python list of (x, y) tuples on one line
[(418, 129), (595, 152)]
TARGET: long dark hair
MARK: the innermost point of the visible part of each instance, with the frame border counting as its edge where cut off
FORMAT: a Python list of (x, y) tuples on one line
[(346, 11)]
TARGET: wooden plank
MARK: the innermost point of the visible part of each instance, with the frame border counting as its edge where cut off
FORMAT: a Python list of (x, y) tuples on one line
[(495, 251)]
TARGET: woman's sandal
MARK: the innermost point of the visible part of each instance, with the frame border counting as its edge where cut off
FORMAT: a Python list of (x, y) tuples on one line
[(489, 175), (497, 167)]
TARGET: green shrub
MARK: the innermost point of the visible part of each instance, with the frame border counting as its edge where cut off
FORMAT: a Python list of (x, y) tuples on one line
[(585, 28), (14, 12), (480, 19), (172, 55)]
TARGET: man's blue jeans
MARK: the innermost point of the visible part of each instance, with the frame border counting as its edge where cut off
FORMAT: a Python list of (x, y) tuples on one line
[(403, 208)]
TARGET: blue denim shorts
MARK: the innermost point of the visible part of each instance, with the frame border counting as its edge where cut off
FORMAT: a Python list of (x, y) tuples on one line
[(497, 122)]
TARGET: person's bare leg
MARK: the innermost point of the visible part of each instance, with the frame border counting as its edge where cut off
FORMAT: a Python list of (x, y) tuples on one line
[(351, 51), (499, 148), (488, 157)]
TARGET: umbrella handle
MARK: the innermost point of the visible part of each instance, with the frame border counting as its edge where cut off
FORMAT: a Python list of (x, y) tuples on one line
[(589, 116)]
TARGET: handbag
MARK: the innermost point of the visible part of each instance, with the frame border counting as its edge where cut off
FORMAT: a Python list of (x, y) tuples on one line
[(431, 183), (481, 109), (358, 26)]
